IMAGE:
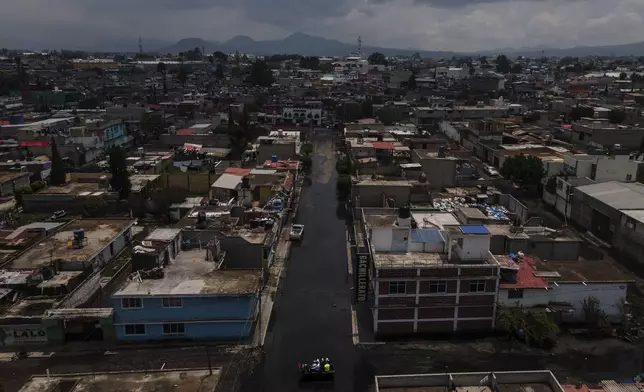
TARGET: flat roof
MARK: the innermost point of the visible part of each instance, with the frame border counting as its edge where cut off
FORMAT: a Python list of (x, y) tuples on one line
[(71, 188), (163, 234), (434, 219), (98, 232), (192, 275), (618, 195), (583, 271), (31, 307), (148, 381)]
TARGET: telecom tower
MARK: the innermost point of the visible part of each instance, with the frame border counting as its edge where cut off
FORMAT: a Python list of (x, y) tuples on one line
[(140, 45), (360, 46)]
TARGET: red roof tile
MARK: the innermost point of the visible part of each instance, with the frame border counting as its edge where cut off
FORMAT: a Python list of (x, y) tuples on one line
[(525, 276), (383, 145), (237, 171), (185, 132)]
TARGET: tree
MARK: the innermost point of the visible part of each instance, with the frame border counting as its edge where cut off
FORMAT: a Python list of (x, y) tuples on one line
[(220, 56), (623, 76), (18, 193), (306, 148), (517, 68), (616, 116), (596, 318), (503, 64), (57, 176), (534, 328), (578, 112), (310, 62), (411, 82), (120, 181), (260, 74), (377, 58), (524, 170), (161, 68), (387, 115), (219, 72), (367, 108)]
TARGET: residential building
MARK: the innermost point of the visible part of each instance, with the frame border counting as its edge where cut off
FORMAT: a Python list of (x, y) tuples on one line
[(191, 297), (562, 287), (142, 381), (603, 167), (440, 278), (439, 168), (513, 381), (603, 134)]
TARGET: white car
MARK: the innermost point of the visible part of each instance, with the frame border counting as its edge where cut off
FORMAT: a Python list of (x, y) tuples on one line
[(491, 171), (297, 231)]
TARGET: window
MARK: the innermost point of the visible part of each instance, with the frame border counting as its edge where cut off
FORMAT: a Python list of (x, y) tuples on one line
[(515, 293), (172, 302), (174, 329), (438, 286), (477, 286), (135, 329), (397, 287), (629, 177), (131, 303), (559, 184)]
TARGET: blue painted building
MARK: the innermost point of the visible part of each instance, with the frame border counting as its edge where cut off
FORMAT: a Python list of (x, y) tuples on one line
[(114, 134), (193, 300)]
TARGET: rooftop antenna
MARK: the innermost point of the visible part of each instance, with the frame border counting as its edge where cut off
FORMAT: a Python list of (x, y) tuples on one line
[(140, 45), (360, 46)]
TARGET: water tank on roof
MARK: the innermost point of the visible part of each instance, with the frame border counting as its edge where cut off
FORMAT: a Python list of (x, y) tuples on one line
[(441, 151), (16, 119), (79, 237), (274, 158)]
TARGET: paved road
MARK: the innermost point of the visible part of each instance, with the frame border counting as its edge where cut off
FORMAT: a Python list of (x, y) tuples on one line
[(312, 314), (14, 374)]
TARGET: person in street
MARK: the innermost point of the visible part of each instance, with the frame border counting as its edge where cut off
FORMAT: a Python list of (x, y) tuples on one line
[(315, 366)]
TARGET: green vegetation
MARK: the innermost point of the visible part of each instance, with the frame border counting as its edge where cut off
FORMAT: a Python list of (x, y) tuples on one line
[(596, 318), (377, 58), (120, 181), (310, 62), (37, 185), (58, 175), (260, 74), (18, 193), (536, 329), (343, 184), (523, 170)]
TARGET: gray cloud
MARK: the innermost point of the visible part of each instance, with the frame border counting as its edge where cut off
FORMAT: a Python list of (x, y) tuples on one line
[(426, 24)]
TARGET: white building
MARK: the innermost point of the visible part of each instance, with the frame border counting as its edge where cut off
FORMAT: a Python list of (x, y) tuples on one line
[(562, 287), (303, 114)]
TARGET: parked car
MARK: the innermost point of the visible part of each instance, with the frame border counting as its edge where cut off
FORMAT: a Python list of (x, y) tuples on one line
[(491, 171), (297, 231)]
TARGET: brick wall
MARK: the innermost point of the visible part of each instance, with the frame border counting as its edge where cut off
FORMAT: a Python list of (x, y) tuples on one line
[(439, 272), (383, 287), (398, 273), (396, 314), (437, 300), (397, 301), (473, 325), (402, 328), (436, 313), (476, 300), (490, 285), (475, 311)]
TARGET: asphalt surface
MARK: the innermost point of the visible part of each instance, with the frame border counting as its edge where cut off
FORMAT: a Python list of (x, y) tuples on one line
[(312, 316), (234, 363)]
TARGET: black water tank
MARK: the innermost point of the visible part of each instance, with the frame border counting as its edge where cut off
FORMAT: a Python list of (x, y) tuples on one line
[(404, 212)]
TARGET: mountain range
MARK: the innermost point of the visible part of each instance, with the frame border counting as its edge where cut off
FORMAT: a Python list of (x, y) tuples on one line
[(309, 45)]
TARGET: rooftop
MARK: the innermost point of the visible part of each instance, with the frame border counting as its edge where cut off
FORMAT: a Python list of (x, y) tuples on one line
[(31, 307), (72, 188), (192, 275), (513, 381), (150, 381), (434, 219), (618, 195), (6, 177), (98, 232)]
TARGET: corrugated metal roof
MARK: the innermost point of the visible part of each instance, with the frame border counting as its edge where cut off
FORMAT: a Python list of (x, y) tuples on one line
[(227, 181), (618, 195), (425, 236)]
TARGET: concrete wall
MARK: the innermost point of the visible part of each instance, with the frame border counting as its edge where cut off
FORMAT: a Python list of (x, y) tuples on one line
[(372, 195), (611, 297), (195, 183)]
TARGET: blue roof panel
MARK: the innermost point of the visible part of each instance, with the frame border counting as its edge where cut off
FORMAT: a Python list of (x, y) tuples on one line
[(474, 229)]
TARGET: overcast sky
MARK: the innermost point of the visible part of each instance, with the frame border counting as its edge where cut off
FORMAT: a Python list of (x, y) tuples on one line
[(459, 25)]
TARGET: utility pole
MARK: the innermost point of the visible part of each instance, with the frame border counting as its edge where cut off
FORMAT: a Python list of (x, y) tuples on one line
[(140, 45)]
